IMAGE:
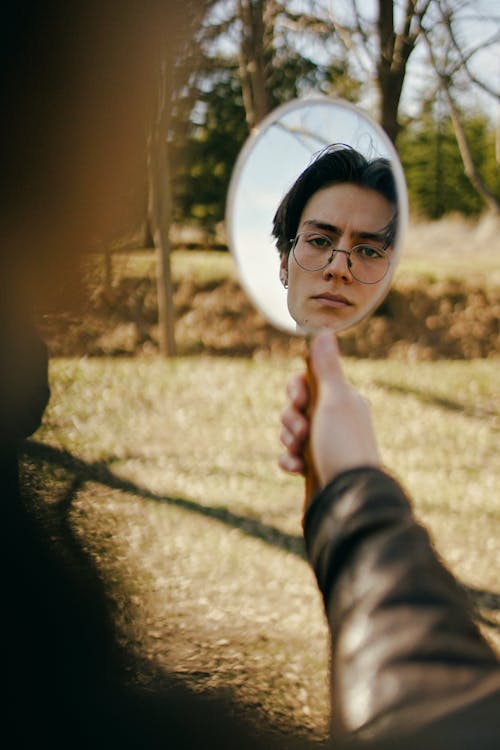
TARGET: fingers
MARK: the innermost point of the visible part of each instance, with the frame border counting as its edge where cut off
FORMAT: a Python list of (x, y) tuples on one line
[(295, 425), (294, 428), (297, 391), (341, 433), (291, 464)]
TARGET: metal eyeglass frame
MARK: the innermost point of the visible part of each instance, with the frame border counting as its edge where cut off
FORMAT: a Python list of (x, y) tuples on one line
[(293, 243)]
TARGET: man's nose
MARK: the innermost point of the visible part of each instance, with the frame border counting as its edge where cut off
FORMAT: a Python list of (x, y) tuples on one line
[(339, 266)]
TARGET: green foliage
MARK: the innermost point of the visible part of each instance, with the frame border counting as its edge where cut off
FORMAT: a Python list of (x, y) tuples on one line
[(437, 183), (293, 72), (296, 51), (297, 60), (203, 157)]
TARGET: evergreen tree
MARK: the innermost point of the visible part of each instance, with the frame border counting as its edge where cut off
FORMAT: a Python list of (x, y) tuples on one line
[(220, 101), (437, 184)]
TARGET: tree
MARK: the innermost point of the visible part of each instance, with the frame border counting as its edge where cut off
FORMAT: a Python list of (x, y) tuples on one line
[(284, 53), (451, 63), (159, 172), (382, 45), (254, 56), (159, 215), (257, 54), (430, 155), (204, 148), (260, 53)]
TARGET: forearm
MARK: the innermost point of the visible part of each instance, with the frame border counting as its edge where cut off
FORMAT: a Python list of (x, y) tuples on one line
[(405, 648)]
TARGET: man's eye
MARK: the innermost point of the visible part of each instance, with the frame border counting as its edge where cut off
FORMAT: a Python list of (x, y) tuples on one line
[(318, 241), (369, 252)]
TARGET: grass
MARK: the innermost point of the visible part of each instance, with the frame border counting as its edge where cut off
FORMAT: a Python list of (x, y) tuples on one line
[(167, 474), (416, 263), (196, 265), (453, 248), (180, 503), (208, 428)]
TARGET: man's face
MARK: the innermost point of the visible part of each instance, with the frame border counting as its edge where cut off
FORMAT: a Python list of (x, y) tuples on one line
[(349, 215)]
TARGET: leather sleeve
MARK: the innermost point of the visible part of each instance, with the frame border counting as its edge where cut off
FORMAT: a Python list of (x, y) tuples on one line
[(405, 650)]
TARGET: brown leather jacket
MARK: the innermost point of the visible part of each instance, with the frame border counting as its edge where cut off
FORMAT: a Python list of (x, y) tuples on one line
[(407, 659)]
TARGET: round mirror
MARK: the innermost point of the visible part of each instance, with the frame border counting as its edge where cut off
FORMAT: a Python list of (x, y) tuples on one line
[(316, 211)]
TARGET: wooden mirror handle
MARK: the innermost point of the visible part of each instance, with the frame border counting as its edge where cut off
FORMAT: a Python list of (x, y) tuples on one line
[(312, 484)]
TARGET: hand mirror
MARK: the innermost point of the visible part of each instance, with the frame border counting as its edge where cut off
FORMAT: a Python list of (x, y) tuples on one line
[(368, 204), (316, 210)]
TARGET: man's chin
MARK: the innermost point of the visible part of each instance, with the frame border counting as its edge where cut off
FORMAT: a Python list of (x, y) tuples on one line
[(314, 323), (333, 318)]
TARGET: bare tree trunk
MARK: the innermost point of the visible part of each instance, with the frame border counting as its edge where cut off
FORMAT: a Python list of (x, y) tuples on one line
[(395, 49), (252, 61), (469, 167), (388, 91), (159, 208), (246, 88), (395, 46)]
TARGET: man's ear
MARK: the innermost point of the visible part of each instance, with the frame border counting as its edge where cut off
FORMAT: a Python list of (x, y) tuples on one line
[(284, 271)]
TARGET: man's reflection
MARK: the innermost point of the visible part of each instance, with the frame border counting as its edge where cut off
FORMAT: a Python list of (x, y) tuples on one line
[(335, 231)]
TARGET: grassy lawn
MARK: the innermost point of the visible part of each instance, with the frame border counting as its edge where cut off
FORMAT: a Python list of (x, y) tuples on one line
[(196, 265), (165, 475), (180, 503), (418, 262), (452, 248)]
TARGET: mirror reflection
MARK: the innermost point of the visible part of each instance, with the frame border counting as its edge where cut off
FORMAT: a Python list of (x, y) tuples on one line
[(316, 207)]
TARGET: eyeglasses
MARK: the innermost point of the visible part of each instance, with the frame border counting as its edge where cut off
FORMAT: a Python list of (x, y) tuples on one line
[(313, 252)]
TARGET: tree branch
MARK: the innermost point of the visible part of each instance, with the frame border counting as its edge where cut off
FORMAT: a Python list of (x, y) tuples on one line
[(447, 18), (469, 167)]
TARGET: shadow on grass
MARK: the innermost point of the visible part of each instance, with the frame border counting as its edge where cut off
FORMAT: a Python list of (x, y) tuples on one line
[(99, 472), (443, 403), (73, 680)]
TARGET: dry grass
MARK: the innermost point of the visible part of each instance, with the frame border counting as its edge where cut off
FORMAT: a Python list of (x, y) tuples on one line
[(169, 475), (448, 248), (453, 248), (197, 533), (445, 304)]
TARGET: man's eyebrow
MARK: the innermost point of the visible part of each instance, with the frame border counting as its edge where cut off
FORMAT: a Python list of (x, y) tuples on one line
[(377, 236), (361, 234), (323, 225)]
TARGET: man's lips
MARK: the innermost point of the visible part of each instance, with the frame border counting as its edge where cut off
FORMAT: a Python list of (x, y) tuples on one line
[(330, 299)]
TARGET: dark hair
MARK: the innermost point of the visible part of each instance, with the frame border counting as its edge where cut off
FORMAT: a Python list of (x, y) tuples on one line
[(335, 164)]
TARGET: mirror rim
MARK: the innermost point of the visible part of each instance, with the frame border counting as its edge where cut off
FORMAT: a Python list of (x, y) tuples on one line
[(253, 139)]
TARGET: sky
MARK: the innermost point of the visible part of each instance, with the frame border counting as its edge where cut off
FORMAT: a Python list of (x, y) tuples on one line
[(478, 22), (479, 19)]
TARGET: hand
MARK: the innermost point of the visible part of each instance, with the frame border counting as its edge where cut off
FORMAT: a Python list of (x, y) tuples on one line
[(341, 431)]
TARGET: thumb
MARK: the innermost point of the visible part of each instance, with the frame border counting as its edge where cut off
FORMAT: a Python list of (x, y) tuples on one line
[(325, 359), (341, 431)]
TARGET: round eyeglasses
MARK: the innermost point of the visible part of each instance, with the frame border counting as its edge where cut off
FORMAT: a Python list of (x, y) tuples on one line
[(367, 264)]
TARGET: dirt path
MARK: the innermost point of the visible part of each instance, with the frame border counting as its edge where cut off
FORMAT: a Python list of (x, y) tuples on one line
[(218, 603)]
